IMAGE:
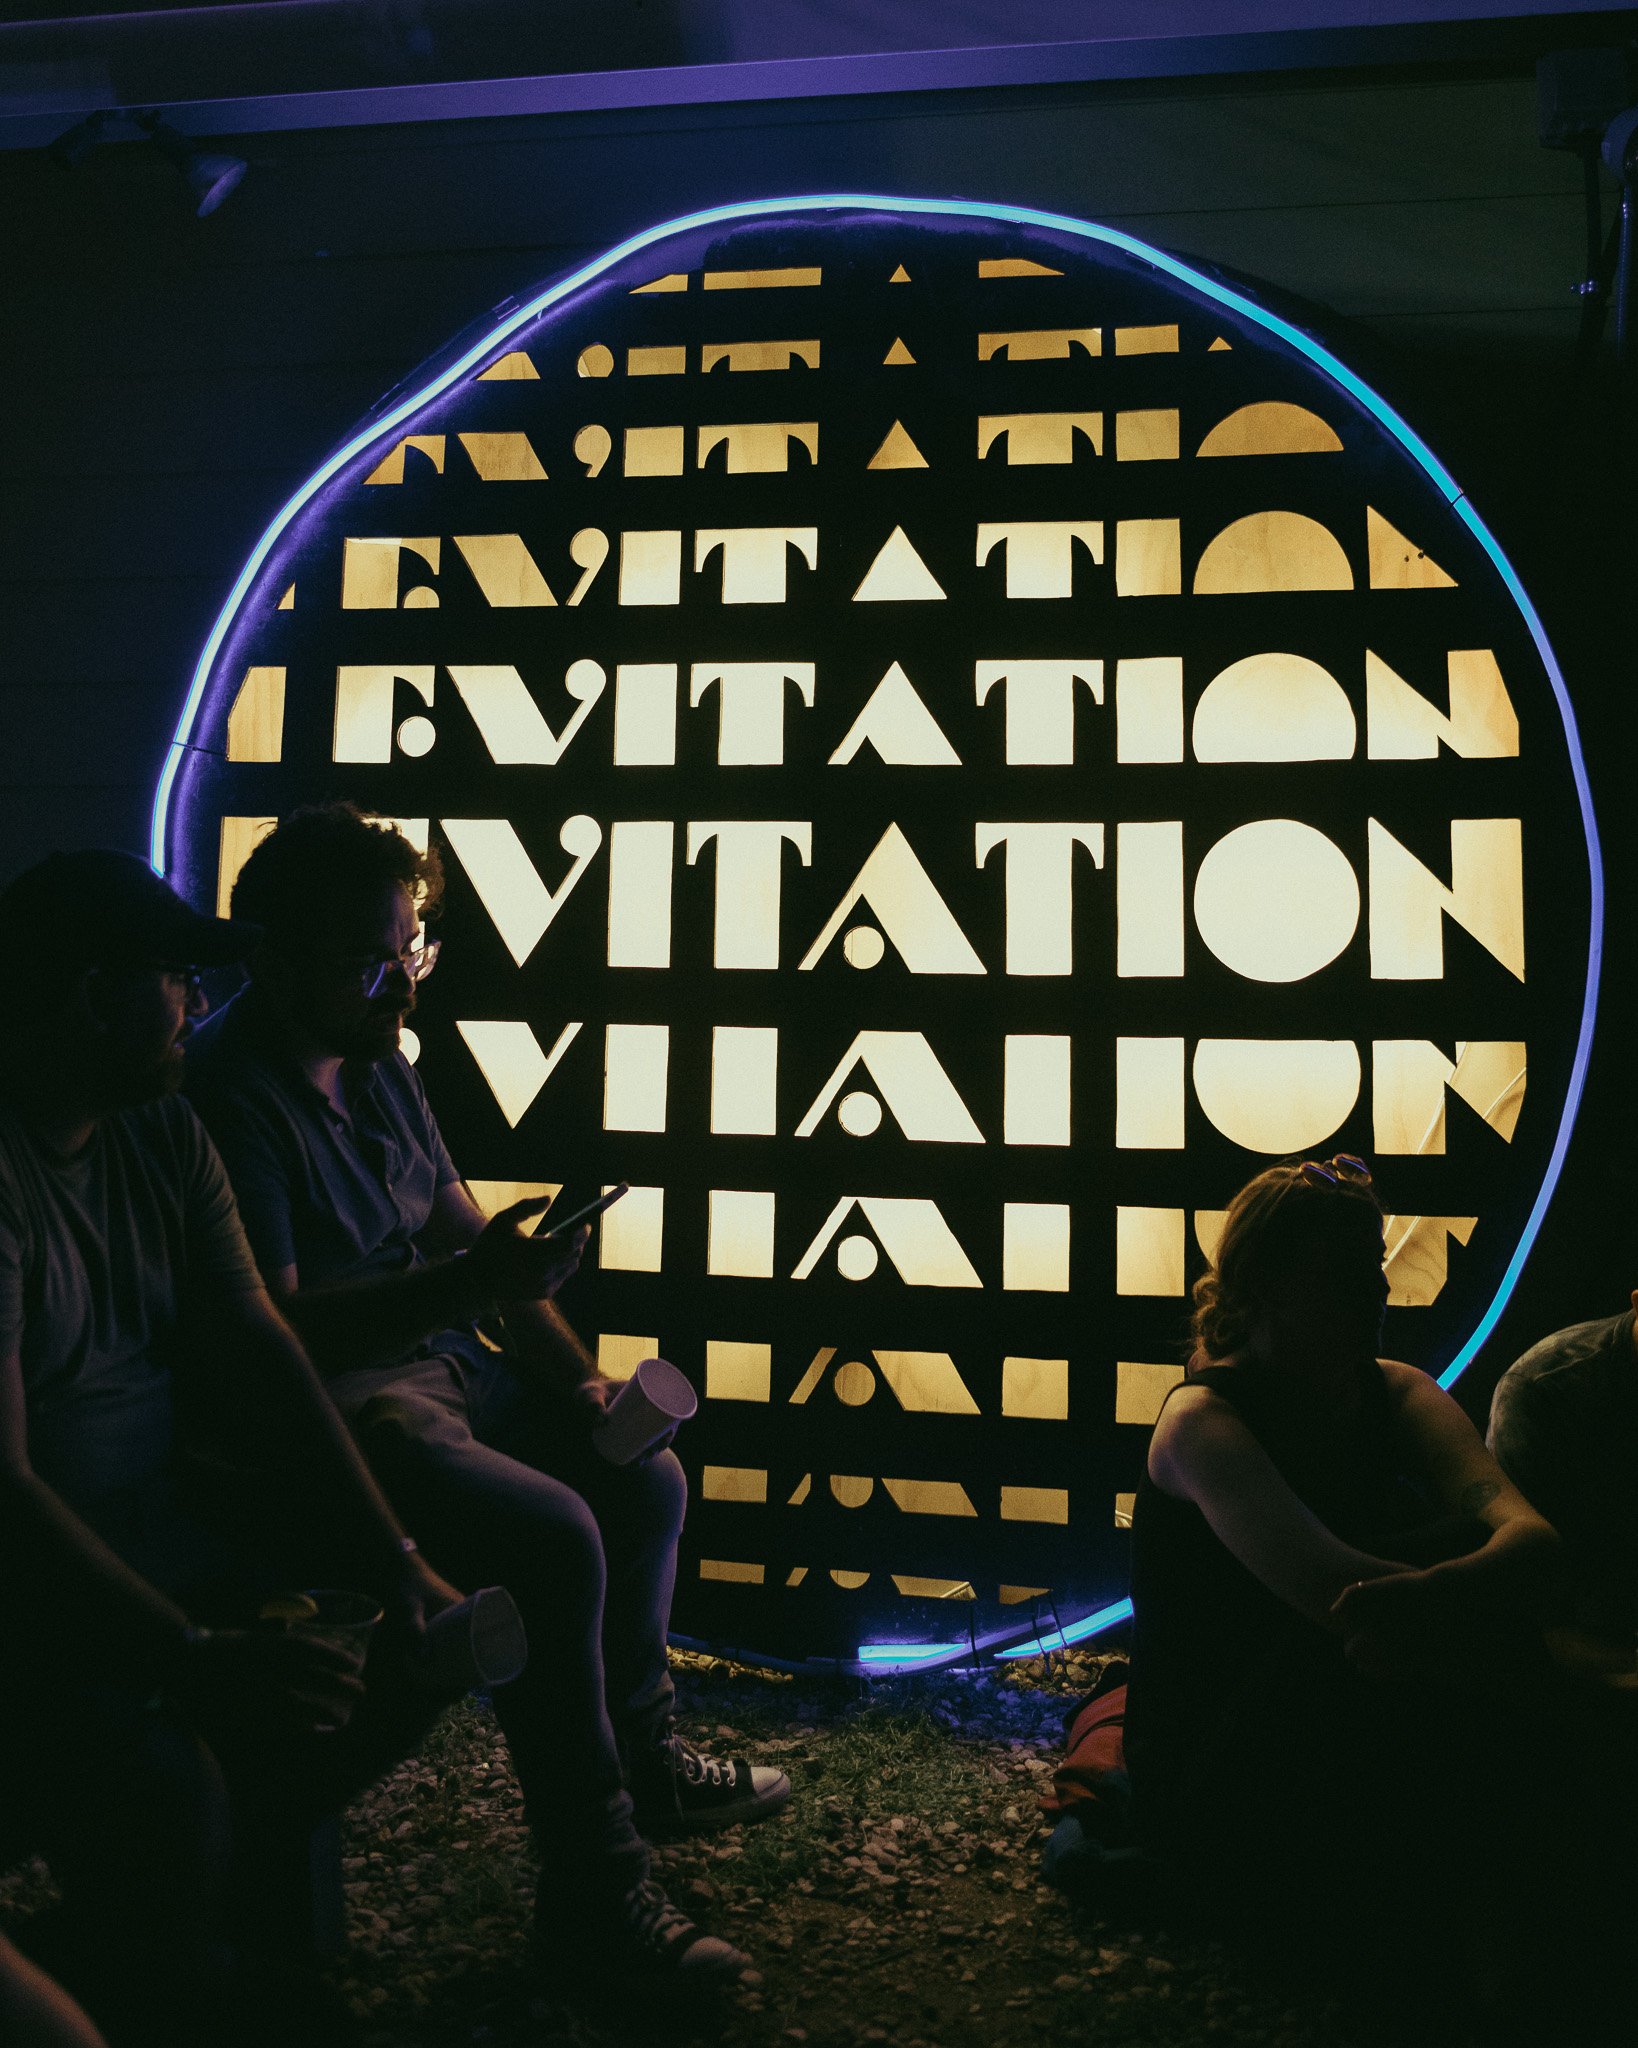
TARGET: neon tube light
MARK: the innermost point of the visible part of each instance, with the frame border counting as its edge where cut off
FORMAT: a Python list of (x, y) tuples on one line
[(879, 1654), (1094, 1624)]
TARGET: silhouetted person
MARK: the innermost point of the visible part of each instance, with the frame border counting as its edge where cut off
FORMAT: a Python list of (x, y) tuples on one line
[(368, 1237), (1564, 1428), (35, 2012), (1333, 1583), (138, 1734)]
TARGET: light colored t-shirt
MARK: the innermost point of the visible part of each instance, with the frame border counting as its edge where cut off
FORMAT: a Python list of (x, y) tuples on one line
[(101, 1253), (1564, 1428)]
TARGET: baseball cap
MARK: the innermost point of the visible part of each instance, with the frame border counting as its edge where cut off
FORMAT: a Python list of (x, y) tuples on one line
[(107, 905)]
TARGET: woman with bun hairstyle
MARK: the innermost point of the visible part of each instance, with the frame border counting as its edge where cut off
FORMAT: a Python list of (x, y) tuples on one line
[(1333, 1583)]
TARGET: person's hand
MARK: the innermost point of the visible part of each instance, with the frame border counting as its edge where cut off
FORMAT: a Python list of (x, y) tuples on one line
[(1389, 1625), (1390, 1601), (507, 1264), (587, 1400), (417, 1594), (277, 1677)]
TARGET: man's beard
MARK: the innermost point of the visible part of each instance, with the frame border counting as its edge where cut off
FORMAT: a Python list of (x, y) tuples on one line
[(130, 1085), (374, 1036)]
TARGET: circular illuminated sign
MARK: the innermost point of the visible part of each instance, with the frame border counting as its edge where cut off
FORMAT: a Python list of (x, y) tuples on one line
[(955, 739)]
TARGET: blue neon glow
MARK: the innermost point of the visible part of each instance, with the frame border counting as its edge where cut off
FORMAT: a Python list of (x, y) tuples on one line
[(1595, 947), (1197, 282), (1077, 1632), (910, 1653)]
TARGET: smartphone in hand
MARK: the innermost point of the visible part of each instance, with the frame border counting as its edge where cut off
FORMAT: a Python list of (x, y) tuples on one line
[(573, 1221)]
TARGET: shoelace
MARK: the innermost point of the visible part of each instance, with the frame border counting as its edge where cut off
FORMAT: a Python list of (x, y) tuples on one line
[(699, 1769), (657, 1918)]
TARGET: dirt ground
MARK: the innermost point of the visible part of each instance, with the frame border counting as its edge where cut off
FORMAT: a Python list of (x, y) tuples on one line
[(897, 1899)]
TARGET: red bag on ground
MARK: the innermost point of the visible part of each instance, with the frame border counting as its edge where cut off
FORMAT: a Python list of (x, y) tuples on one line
[(1091, 1781)]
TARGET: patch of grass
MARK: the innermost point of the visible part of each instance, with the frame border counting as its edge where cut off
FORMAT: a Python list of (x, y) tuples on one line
[(896, 1901)]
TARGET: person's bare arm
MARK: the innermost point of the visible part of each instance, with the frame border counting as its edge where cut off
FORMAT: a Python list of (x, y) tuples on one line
[(1513, 1570), (79, 1604), (59, 1566), (490, 1263), (280, 1403), (35, 2012), (1201, 1451)]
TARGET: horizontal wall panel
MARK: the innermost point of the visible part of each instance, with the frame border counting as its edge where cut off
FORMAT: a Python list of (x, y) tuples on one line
[(491, 186), (46, 726), (1392, 258), (252, 421), (82, 630), (35, 822), (247, 314), (151, 526)]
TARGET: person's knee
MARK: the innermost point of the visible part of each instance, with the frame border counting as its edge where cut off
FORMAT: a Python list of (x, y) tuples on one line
[(660, 1494), (558, 1547), (150, 1835), (177, 1802)]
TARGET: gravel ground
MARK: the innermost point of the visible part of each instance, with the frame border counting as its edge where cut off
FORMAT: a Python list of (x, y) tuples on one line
[(897, 1898)]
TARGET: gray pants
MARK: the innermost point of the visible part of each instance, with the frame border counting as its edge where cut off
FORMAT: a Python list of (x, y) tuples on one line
[(497, 1491)]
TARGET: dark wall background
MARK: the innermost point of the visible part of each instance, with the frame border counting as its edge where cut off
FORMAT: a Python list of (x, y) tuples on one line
[(166, 381)]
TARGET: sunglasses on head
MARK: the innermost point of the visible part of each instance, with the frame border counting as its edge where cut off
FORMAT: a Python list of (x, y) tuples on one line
[(1342, 1168)]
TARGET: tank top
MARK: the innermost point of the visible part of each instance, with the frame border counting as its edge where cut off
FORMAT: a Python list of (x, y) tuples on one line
[(1220, 1664)]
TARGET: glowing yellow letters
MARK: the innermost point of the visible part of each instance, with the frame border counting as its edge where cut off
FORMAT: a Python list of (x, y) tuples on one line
[(1040, 699), (1040, 553), (895, 886), (1039, 437), (922, 1247), (635, 1063), (506, 880), (640, 866), (913, 1085), (756, 559), (1276, 900), (759, 446), (1409, 903), (752, 697), (1409, 1077), (1040, 890), (1404, 726), (749, 872), (1277, 1095), (898, 727)]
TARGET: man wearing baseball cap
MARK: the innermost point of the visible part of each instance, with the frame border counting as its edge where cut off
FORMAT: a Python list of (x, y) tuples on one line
[(143, 1713)]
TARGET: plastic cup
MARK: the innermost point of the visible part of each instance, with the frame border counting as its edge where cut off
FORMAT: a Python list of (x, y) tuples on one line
[(329, 1614), (478, 1643), (345, 1621), (652, 1402)]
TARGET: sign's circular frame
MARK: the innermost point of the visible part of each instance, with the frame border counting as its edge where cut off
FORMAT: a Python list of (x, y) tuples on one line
[(382, 428)]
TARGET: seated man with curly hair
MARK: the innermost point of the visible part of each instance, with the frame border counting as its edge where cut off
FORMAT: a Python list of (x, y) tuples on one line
[(371, 1243)]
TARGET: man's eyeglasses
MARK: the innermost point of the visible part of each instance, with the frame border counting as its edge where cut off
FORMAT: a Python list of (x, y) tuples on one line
[(1333, 1172), (191, 978), (416, 962)]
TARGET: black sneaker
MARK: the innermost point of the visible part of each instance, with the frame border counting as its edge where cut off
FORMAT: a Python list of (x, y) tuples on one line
[(677, 1789), (642, 1945)]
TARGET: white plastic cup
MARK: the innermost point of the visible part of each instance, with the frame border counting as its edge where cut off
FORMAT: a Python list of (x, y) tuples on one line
[(652, 1402), (478, 1643)]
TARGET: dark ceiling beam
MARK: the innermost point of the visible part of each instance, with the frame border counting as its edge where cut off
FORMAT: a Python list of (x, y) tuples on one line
[(248, 68)]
